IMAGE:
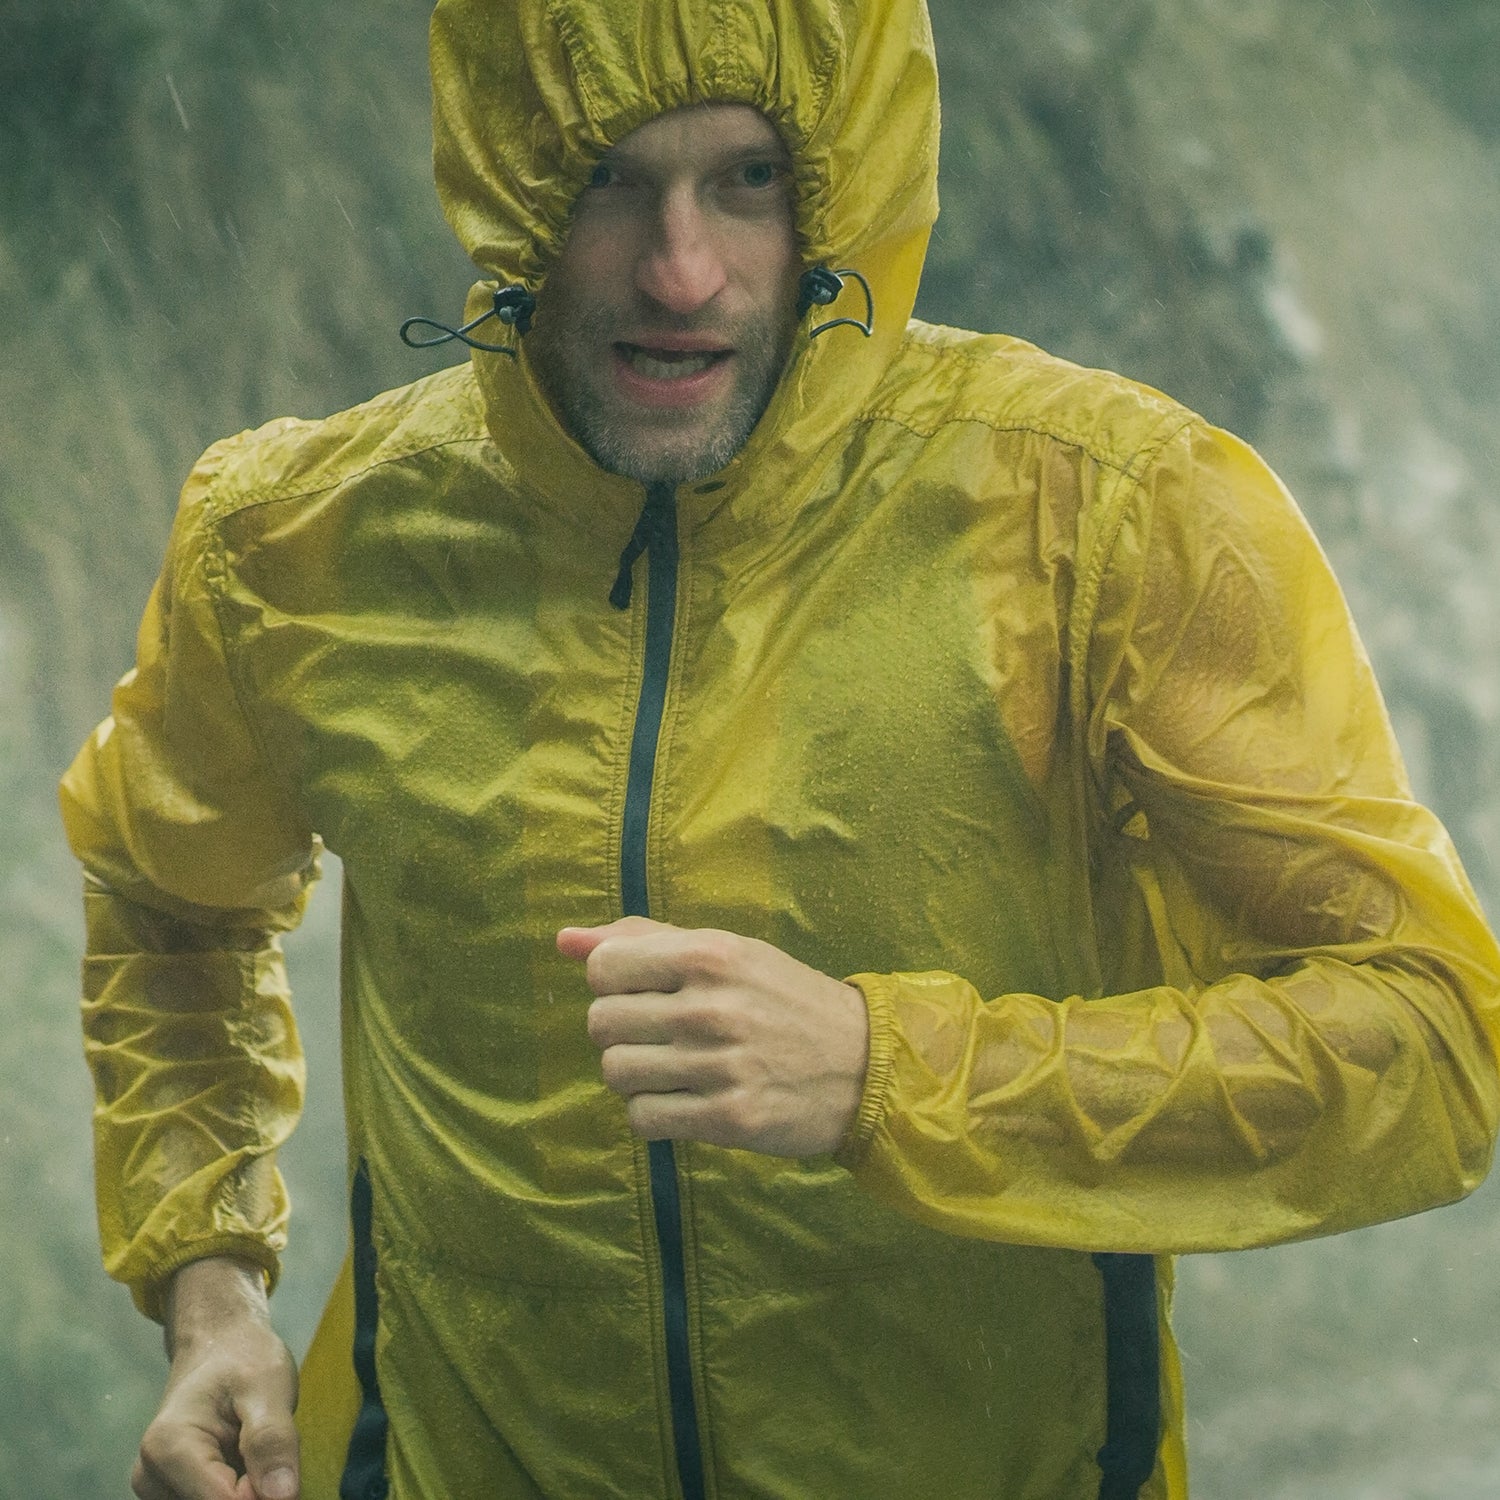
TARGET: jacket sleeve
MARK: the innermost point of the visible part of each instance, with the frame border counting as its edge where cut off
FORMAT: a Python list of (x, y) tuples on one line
[(1298, 1024), (195, 860)]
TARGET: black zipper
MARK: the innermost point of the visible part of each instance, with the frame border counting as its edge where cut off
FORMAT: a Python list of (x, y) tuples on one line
[(656, 534)]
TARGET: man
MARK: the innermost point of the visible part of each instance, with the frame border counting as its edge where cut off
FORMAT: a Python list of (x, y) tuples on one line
[(714, 635)]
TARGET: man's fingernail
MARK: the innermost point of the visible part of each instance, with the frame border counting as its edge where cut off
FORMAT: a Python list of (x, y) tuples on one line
[(279, 1484)]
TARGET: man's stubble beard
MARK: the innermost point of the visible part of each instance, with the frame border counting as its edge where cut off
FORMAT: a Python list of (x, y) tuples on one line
[(646, 445)]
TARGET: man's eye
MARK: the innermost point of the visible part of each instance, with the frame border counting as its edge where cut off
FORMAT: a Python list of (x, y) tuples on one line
[(601, 176), (760, 174)]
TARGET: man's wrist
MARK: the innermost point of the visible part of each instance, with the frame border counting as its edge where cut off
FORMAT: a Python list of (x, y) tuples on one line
[(206, 1296)]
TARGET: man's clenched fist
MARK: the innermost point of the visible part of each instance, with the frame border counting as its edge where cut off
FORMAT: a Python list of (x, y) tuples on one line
[(713, 1037)]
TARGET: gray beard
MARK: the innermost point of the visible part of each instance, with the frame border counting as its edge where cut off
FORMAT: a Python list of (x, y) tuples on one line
[(618, 448), (619, 451)]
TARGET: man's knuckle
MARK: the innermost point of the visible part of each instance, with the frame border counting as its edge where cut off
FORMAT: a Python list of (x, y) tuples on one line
[(612, 1067), (642, 1114), (158, 1457), (271, 1440), (599, 1024), (593, 968), (157, 1447), (710, 954), (728, 1025), (742, 1112)]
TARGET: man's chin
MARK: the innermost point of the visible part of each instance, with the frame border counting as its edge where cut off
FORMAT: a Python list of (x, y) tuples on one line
[(651, 469), (662, 458)]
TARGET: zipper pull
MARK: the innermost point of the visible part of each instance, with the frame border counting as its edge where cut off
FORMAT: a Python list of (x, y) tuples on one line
[(657, 515)]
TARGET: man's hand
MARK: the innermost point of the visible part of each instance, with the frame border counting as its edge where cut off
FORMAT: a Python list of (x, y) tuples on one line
[(224, 1431), (725, 1039)]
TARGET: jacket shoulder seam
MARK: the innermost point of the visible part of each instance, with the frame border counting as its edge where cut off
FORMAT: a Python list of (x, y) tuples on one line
[(215, 570), (1113, 513), (1082, 617), (972, 410), (222, 508), (1131, 467)]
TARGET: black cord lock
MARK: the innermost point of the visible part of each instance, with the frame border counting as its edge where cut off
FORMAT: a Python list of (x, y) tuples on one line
[(821, 287), (512, 305)]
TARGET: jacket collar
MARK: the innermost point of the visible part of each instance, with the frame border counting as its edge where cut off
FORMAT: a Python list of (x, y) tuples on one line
[(827, 383)]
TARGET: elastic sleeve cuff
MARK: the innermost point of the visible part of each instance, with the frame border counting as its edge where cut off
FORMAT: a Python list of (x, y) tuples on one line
[(878, 990), (150, 1293)]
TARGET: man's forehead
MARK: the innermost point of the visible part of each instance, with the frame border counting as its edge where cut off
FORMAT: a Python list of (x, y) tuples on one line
[(698, 132)]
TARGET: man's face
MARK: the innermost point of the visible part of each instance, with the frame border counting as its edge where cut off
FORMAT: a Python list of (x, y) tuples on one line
[(664, 326)]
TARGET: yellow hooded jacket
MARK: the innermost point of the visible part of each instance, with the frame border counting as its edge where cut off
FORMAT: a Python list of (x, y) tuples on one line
[(1010, 687)]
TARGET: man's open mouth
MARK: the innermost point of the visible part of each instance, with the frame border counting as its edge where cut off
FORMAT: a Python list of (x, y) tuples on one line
[(670, 364)]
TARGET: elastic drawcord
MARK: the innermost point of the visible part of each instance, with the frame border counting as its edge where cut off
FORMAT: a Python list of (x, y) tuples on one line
[(513, 305), (820, 287)]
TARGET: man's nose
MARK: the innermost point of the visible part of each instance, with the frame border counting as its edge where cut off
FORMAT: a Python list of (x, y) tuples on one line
[(683, 268)]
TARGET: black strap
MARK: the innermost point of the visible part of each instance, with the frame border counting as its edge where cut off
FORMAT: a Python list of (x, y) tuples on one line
[(1132, 1358), (364, 1466)]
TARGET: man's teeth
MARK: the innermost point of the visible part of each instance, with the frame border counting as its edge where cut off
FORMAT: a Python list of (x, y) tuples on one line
[(668, 366)]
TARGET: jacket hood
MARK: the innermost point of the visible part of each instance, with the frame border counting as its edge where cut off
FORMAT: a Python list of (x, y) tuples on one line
[(529, 94)]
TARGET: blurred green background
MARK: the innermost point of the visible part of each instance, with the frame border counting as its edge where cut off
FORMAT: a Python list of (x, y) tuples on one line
[(1283, 213)]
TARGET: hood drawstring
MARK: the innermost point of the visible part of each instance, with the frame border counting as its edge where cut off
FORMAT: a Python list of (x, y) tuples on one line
[(658, 522), (513, 305), (821, 286)]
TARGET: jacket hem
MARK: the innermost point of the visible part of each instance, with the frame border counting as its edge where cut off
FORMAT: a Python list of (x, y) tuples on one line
[(150, 1290)]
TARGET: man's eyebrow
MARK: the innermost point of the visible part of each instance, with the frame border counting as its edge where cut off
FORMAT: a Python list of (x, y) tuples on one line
[(775, 150), (767, 151)]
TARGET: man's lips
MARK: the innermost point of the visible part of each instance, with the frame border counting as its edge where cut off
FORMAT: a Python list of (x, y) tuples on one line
[(668, 344), (672, 372), (667, 361)]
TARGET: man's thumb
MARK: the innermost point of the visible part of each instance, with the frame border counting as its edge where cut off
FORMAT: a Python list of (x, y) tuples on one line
[(269, 1448)]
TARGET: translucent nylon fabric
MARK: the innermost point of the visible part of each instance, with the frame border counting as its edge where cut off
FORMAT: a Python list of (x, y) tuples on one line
[(1011, 688), (1321, 1038)]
